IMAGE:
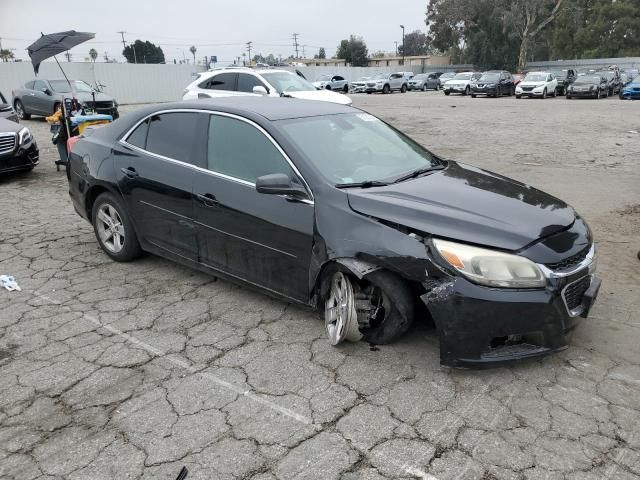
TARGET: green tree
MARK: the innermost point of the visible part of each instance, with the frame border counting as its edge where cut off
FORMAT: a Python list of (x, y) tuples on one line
[(6, 55), (415, 43), (322, 53), (193, 51), (93, 53), (143, 52), (354, 51)]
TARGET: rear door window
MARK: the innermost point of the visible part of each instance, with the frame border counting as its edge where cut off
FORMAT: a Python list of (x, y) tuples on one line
[(222, 81), (172, 135), (138, 137), (29, 85)]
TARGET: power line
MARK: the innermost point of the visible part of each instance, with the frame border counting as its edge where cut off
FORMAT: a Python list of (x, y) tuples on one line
[(295, 43)]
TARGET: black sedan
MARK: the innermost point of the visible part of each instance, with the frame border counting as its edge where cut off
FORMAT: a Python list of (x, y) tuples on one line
[(493, 84), (589, 86), (18, 148), (328, 206)]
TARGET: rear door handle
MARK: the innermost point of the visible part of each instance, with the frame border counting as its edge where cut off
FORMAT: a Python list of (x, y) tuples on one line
[(129, 172), (209, 199)]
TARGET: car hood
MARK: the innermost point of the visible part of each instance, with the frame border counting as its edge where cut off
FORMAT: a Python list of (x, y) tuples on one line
[(321, 83), (632, 85), (322, 95), (467, 204), (532, 84), (7, 126)]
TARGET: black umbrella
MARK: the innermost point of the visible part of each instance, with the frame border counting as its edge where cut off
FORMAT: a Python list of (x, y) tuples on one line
[(54, 43)]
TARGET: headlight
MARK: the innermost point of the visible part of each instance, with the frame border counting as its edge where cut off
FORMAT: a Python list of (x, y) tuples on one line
[(24, 135), (490, 267)]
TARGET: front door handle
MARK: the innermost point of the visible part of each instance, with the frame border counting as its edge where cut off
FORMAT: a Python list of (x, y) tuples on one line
[(129, 172), (209, 199)]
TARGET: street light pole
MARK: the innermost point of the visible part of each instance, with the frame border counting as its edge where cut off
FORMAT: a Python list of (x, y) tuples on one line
[(403, 49)]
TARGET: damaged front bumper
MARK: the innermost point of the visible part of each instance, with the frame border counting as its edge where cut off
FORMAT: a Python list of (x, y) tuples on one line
[(482, 326)]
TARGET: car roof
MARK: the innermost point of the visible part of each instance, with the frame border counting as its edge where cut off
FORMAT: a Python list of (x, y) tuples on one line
[(271, 108), (257, 71)]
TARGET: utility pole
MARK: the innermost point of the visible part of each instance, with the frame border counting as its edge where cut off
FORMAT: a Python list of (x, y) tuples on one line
[(303, 54), (295, 43), (106, 57), (249, 50), (124, 43), (404, 50)]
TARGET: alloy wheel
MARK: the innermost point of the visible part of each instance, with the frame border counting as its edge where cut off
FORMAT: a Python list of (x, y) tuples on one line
[(20, 110), (340, 316), (110, 228)]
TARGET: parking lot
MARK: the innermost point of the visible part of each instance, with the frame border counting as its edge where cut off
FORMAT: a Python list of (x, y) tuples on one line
[(134, 370)]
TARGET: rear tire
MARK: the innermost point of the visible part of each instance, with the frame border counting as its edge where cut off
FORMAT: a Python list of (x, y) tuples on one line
[(345, 89), (398, 305), (447, 93), (22, 115), (127, 248)]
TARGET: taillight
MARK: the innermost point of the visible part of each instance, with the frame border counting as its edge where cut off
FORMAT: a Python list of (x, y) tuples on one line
[(71, 142)]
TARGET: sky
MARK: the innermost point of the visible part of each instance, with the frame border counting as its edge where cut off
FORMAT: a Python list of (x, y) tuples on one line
[(214, 27)]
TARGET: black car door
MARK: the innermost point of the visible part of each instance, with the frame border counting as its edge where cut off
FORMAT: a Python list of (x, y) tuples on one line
[(155, 167), (263, 239)]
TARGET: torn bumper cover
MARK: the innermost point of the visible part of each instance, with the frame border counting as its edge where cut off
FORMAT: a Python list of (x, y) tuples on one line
[(481, 326)]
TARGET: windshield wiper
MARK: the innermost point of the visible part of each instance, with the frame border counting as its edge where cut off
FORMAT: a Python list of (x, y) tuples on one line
[(418, 172), (364, 184)]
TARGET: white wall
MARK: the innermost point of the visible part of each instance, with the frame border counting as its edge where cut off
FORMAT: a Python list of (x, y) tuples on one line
[(128, 83)]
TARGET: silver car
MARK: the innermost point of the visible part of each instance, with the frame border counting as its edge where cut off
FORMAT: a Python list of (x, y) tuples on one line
[(387, 83), (6, 110), (332, 82), (42, 97), (425, 81)]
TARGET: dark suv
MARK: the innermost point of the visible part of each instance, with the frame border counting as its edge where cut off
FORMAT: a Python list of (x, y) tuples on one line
[(565, 77), (493, 83)]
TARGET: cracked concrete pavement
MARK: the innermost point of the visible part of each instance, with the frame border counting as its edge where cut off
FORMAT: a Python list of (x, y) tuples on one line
[(133, 370)]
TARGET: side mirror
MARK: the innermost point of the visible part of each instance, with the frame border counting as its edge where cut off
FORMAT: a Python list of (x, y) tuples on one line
[(47, 91), (279, 184), (260, 90)]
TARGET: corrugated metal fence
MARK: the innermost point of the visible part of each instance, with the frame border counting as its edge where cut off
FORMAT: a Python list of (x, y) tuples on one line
[(313, 73), (139, 83)]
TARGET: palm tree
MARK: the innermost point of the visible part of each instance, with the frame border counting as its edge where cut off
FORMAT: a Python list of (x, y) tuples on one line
[(6, 55), (93, 53), (193, 51)]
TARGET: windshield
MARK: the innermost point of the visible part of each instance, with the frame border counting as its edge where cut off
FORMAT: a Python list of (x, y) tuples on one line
[(421, 76), (463, 76), (380, 76), (559, 73), (536, 77), (447, 75), (490, 77), (356, 147), (588, 79), (287, 82), (62, 86)]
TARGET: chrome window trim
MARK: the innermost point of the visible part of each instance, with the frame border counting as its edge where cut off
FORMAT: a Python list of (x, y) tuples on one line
[(588, 262), (123, 141)]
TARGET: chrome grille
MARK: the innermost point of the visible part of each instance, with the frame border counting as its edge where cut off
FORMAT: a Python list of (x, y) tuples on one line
[(7, 142), (527, 89), (573, 294), (570, 262)]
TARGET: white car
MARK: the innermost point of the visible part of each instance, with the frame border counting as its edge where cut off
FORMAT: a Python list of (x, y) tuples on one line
[(537, 84), (460, 83), (230, 82), (332, 82)]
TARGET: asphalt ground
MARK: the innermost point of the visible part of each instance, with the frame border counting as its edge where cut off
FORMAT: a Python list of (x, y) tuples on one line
[(135, 370)]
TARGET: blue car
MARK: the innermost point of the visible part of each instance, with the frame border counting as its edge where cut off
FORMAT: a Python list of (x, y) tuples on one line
[(631, 91)]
